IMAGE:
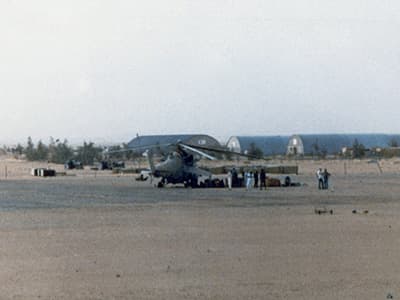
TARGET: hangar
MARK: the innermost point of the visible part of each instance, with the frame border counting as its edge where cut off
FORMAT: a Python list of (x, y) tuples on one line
[(270, 145), (306, 144), (162, 140)]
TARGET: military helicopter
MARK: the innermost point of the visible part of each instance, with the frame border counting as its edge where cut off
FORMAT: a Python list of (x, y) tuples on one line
[(179, 165)]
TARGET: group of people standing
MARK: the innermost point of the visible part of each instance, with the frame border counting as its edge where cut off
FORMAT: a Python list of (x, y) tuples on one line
[(323, 179), (251, 179)]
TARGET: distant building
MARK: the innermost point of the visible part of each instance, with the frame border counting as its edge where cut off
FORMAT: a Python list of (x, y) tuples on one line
[(141, 142), (332, 144), (270, 145)]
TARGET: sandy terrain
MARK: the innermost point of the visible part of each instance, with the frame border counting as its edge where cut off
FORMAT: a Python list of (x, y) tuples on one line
[(102, 236)]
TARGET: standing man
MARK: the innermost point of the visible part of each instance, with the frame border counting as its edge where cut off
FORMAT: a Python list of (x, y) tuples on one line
[(248, 176), (234, 178), (256, 179), (229, 177), (326, 175), (320, 179), (262, 179)]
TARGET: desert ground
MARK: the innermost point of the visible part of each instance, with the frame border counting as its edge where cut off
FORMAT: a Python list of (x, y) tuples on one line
[(95, 235)]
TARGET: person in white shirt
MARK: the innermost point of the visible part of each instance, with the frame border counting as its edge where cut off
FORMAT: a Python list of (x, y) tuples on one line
[(249, 177), (320, 178), (229, 178)]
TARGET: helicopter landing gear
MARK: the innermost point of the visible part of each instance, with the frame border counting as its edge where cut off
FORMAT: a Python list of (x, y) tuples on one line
[(161, 183), (192, 182)]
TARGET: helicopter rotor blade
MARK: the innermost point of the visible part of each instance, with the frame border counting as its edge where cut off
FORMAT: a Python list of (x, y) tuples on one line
[(190, 148), (138, 148), (223, 151)]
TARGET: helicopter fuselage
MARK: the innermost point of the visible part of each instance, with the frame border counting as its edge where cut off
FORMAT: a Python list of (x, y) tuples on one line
[(177, 168)]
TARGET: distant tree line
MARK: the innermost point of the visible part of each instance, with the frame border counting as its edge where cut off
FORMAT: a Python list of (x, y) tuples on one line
[(359, 151), (59, 152), (318, 151)]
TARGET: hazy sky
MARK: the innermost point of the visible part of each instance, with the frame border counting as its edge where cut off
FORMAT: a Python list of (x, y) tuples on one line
[(106, 70)]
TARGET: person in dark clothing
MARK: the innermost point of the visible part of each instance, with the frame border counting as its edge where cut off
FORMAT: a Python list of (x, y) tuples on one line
[(262, 179), (256, 179), (235, 180), (326, 175)]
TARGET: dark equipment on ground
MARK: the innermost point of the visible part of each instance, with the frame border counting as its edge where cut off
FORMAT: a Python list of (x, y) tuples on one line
[(103, 165), (117, 165), (212, 183), (322, 210), (42, 172), (142, 177), (73, 164), (109, 165)]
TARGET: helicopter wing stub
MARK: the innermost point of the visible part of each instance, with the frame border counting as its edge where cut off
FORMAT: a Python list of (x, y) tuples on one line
[(192, 149)]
